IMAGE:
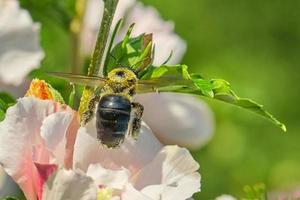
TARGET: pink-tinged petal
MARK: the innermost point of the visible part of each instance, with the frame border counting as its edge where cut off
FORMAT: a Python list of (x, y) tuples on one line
[(116, 179), (171, 175), (131, 154), (59, 131), (183, 120), (54, 128), (70, 142), (21, 140), (20, 51), (44, 172), (69, 185)]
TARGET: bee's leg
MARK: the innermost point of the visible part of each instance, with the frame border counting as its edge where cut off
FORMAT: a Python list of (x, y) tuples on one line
[(135, 125), (89, 113)]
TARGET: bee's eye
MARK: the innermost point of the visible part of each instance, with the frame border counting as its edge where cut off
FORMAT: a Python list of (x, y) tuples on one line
[(120, 74)]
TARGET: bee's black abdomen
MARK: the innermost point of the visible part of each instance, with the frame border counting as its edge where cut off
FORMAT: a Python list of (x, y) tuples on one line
[(112, 118), (115, 102)]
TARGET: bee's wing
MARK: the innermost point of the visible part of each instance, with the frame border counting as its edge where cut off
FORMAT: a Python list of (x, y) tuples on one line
[(94, 81), (166, 83)]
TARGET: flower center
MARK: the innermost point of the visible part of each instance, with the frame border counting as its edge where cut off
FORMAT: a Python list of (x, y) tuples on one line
[(105, 194)]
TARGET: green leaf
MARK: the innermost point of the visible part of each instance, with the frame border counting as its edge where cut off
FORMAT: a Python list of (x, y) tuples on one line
[(183, 81), (56, 94), (3, 105), (56, 10), (72, 97), (115, 31), (223, 92), (177, 79), (179, 71), (131, 52), (6, 101), (204, 85), (257, 192), (7, 98), (2, 115), (9, 198)]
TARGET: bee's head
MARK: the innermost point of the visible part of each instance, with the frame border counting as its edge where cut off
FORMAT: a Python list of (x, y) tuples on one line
[(122, 75)]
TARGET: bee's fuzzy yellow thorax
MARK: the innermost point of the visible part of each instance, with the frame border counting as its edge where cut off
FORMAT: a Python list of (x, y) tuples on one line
[(121, 81), (122, 75)]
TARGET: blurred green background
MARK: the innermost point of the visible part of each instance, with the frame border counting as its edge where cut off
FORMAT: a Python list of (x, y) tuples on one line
[(255, 45)]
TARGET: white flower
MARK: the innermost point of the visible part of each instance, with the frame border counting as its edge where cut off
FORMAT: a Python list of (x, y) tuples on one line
[(69, 185), (36, 137), (225, 197), (178, 119), (38, 149), (148, 20), (183, 120), (164, 38), (142, 169), (20, 51)]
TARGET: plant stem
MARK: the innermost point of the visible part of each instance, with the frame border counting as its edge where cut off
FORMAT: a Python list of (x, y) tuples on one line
[(99, 51), (108, 14), (76, 28)]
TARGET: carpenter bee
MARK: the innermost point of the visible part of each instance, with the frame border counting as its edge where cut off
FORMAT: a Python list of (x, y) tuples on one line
[(116, 113)]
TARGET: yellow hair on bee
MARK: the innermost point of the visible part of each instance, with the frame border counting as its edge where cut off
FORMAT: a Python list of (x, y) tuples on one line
[(121, 81)]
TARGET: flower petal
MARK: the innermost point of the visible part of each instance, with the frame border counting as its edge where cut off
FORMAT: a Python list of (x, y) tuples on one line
[(54, 128), (20, 51), (115, 179), (171, 175), (131, 154), (183, 120), (225, 197), (21, 140), (59, 131), (69, 185), (44, 172), (130, 193)]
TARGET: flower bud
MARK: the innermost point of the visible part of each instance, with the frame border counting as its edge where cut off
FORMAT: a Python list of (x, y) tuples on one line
[(42, 90)]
